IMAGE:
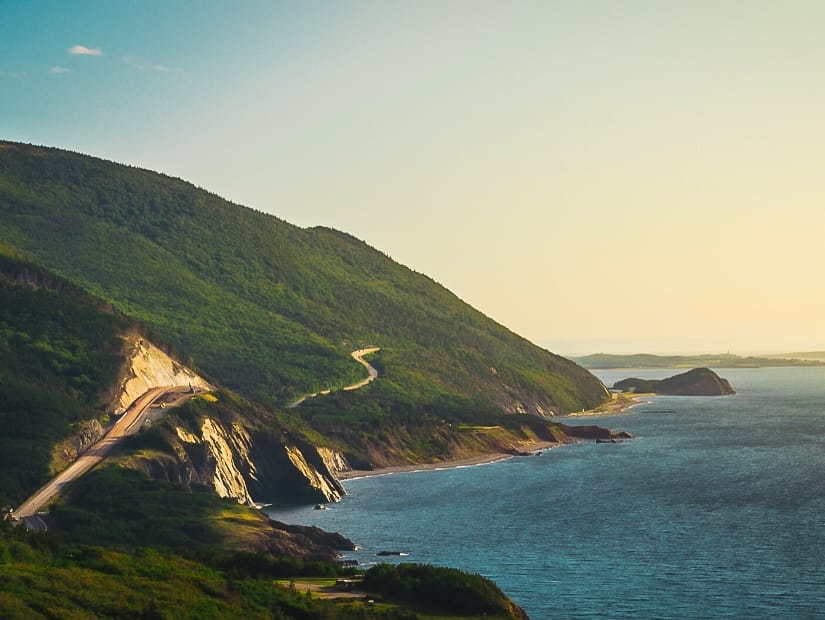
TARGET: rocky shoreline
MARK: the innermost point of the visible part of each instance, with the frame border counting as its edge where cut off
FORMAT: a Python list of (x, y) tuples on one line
[(619, 403), (482, 459)]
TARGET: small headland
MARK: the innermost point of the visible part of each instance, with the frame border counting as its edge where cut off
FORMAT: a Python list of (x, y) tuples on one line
[(696, 382), (574, 434)]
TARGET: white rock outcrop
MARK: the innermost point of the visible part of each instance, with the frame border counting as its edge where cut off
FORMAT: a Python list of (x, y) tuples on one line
[(226, 457), (149, 367), (222, 458), (224, 450), (335, 461), (313, 477)]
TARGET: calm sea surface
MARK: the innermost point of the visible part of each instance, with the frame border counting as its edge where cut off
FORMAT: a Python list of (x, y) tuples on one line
[(716, 509)]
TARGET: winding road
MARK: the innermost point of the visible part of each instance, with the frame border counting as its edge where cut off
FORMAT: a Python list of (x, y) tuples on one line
[(358, 356), (128, 424)]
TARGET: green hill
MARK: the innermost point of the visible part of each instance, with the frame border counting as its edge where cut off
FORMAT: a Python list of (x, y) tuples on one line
[(63, 358), (92, 251), (267, 308)]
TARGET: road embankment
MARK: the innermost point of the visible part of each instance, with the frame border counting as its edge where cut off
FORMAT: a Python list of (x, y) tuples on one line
[(129, 423)]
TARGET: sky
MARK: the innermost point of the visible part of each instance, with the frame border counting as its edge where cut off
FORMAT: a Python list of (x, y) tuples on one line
[(598, 176)]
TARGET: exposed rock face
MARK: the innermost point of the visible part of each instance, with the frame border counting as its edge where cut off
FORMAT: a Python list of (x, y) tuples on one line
[(335, 462), (292, 471), (88, 432), (218, 458), (522, 408), (226, 457), (696, 382), (149, 367), (232, 462), (589, 432), (524, 403), (307, 542), (316, 479)]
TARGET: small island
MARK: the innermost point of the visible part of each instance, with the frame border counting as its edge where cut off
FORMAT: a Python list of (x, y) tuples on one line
[(696, 382)]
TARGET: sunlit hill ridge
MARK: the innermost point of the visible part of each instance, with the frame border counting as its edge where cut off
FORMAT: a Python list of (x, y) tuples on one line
[(273, 311)]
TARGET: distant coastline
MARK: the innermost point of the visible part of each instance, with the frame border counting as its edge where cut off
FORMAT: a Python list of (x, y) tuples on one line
[(609, 361), (619, 403), (481, 459)]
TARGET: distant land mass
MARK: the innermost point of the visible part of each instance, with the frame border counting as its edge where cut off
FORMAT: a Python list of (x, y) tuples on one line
[(696, 382), (721, 360), (801, 355)]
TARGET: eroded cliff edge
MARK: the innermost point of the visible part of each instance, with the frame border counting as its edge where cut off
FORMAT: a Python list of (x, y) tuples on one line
[(219, 442), (147, 367), (238, 449), (207, 443)]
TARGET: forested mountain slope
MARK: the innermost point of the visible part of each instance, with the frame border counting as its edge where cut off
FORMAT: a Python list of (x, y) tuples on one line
[(67, 359), (267, 308), (60, 354)]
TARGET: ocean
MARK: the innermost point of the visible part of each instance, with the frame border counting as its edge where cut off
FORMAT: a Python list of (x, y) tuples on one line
[(715, 509)]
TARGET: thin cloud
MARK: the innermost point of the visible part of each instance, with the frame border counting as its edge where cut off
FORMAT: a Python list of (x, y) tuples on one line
[(59, 69), (82, 50), (167, 69), (14, 75), (133, 62)]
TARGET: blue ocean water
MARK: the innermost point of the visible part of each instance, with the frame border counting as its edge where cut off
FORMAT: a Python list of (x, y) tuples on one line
[(715, 509)]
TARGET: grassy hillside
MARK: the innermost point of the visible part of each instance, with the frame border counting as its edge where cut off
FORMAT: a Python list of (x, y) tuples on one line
[(124, 546), (60, 354), (159, 514), (44, 577), (269, 309)]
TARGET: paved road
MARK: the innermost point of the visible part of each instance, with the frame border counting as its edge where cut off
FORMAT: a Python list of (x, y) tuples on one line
[(129, 423), (358, 356)]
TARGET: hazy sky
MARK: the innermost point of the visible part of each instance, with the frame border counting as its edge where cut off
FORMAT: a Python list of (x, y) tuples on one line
[(597, 176)]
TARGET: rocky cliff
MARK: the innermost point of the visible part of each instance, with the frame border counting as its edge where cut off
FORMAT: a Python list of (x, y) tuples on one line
[(148, 367), (335, 462), (86, 433), (204, 445), (199, 448)]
